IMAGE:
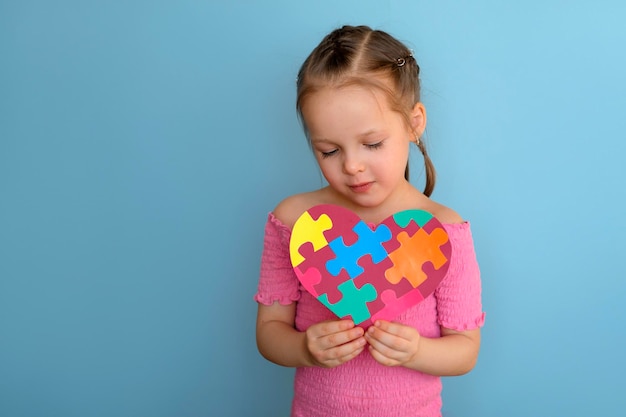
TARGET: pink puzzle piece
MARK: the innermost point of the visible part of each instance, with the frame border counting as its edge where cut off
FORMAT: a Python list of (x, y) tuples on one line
[(394, 305), (309, 278)]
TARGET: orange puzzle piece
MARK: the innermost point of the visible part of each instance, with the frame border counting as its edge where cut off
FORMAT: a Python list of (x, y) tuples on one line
[(415, 251)]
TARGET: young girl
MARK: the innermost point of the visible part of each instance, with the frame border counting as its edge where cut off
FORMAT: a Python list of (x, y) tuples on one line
[(359, 102)]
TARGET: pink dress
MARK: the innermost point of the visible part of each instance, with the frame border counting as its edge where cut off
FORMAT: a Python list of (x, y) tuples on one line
[(363, 387)]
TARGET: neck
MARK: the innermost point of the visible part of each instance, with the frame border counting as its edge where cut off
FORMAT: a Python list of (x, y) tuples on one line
[(404, 198)]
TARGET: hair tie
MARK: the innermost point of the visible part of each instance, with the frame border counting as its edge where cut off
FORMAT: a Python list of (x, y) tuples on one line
[(400, 62)]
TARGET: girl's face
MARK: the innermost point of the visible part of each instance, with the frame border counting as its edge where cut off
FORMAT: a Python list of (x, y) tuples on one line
[(361, 145)]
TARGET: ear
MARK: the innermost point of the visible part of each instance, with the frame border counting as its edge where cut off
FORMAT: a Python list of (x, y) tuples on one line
[(418, 119)]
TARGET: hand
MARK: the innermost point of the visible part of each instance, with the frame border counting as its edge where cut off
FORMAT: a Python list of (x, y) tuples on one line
[(393, 344), (331, 343)]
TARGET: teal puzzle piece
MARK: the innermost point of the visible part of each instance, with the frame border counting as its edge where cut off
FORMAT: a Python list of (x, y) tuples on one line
[(420, 217), (354, 301)]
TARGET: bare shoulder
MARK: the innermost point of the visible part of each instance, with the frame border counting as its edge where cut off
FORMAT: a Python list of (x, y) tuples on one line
[(444, 214), (288, 210)]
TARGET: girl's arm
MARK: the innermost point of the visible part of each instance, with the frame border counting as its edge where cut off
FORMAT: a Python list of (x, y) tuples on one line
[(325, 344), (395, 344)]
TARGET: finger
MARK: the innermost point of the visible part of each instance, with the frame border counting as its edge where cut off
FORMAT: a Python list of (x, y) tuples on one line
[(340, 354), (396, 329), (349, 350), (381, 348), (381, 358), (386, 343), (342, 337), (330, 327), (352, 354)]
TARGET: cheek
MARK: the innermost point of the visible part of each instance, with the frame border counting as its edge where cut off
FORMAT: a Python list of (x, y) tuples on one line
[(395, 165), (326, 166)]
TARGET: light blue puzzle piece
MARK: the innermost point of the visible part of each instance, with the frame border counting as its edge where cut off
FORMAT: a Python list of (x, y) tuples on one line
[(370, 242)]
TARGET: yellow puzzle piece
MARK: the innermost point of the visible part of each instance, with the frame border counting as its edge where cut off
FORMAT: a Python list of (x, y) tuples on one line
[(308, 230)]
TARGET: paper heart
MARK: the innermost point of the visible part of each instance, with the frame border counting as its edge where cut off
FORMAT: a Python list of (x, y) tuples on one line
[(368, 273)]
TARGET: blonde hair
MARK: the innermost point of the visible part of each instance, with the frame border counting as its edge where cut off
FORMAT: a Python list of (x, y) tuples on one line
[(363, 56)]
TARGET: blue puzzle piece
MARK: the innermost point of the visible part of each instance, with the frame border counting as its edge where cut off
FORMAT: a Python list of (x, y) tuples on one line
[(370, 242)]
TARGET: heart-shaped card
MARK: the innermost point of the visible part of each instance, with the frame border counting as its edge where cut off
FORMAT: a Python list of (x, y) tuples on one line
[(367, 272)]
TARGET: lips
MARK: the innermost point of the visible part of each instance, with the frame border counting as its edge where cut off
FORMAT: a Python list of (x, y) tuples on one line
[(361, 187)]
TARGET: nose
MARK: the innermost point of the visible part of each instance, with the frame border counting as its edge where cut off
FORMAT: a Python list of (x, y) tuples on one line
[(353, 163)]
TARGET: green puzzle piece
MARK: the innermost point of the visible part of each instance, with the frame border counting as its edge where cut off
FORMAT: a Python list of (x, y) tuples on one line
[(420, 217), (354, 301)]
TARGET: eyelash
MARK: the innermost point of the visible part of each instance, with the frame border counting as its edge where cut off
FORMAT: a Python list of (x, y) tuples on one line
[(328, 154), (376, 145)]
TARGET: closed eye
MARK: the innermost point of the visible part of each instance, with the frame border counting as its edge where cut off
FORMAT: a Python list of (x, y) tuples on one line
[(328, 153), (374, 145)]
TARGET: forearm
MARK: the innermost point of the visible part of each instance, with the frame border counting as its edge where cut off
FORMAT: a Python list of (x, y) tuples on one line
[(282, 344), (453, 353), (277, 338)]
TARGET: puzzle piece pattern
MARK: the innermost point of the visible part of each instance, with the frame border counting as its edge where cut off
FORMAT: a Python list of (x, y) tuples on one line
[(369, 243), (364, 272)]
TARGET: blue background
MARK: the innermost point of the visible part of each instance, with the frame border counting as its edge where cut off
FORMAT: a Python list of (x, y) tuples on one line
[(142, 144)]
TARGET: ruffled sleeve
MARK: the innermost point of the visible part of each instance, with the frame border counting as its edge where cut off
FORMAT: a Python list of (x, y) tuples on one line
[(277, 280), (459, 305)]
